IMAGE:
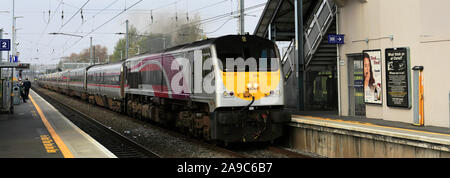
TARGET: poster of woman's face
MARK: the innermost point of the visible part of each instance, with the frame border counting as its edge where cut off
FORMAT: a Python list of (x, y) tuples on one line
[(372, 77)]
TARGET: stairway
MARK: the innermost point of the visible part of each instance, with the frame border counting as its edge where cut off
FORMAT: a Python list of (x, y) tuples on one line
[(317, 87), (325, 54), (318, 54), (321, 23)]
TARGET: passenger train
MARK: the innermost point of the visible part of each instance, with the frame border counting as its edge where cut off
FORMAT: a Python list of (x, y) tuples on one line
[(192, 87)]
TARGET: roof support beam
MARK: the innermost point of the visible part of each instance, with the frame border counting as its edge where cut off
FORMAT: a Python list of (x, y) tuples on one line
[(274, 14)]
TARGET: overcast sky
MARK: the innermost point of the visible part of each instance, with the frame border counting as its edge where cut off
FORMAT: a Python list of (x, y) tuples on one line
[(33, 28)]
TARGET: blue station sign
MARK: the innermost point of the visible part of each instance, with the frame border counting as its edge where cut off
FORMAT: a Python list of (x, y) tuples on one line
[(336, 39), (13, 59), (5, 44)]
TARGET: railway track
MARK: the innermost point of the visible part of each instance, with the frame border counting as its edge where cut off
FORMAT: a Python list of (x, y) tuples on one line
[(264, 150), (84, 121), (120, 146)]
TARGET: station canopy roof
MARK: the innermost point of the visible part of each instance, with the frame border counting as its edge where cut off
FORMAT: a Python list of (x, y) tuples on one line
[(281, 14)]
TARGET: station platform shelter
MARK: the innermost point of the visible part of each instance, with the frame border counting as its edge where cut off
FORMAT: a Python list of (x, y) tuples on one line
[(363, 61), (366, 58)]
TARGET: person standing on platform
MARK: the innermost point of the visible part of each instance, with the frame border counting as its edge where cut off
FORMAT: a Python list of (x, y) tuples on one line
[(27, 86), (22, 90)]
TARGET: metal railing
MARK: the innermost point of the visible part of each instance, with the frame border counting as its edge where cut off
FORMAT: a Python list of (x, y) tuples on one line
[(287, 61), (317, 28)]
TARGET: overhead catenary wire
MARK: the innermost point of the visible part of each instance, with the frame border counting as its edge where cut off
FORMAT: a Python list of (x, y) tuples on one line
[(120, 14), (219, 26), (195, 10), (198, 22), (102, 10), (93, 17), (106, 9), (228, 21), (46, 26), (212, 19), (59, 30), (74, 14), (104, 23), (215, 18), (70, 5)]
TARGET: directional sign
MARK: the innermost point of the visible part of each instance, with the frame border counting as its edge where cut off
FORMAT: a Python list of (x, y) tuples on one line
[(14, 59), (336, 39), (5, 44)]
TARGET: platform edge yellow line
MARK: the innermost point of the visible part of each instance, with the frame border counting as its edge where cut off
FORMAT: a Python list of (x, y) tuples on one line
[(373, 125), (64, 150)]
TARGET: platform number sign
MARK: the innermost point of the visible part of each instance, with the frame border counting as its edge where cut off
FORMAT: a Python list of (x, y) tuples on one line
[(5, 44)]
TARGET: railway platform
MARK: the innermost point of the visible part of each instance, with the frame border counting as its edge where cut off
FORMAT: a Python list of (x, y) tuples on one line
[(38, 130), (334, 136)]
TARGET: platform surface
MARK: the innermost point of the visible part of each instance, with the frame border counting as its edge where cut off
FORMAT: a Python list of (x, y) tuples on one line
[(38, 130), (437, 135)]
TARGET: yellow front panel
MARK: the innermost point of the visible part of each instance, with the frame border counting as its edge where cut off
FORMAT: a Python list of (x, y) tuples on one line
[(248, 84)]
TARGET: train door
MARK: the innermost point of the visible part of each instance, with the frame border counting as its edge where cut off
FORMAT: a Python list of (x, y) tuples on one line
[(122, 77), (68, 82), (85, 78), (207, 71), (190, 57)]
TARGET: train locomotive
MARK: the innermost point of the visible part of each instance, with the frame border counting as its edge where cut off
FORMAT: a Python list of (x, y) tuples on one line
[(192, 87)]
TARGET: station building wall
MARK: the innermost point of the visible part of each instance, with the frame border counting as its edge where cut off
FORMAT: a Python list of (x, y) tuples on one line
[(421, 25)]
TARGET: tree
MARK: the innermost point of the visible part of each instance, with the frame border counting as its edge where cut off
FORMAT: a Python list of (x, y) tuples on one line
[(153, 43), (100, 54), (120, 48), (188, 32), (165, 33)]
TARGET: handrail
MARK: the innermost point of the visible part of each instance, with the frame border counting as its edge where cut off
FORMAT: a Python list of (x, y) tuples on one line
[(286, 58), (287, 52), (317, 28)]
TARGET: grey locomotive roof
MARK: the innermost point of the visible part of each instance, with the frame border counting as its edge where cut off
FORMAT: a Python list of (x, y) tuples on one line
[(188, 45)]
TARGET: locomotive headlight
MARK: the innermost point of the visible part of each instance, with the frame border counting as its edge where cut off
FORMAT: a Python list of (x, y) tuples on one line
[(227, 94), (252, 85), (274, 92)]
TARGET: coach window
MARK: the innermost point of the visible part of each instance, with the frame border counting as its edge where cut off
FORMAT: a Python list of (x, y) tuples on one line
[(206, 53)]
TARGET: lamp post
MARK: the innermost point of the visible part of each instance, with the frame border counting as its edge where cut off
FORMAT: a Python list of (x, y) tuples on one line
[(127, 45), (14, 37), (1, 52)]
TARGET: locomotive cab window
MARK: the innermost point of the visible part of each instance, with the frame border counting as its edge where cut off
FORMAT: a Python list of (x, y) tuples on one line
[(262, 50)]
